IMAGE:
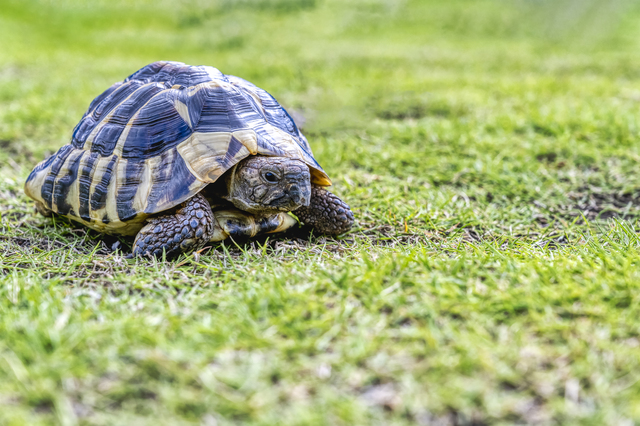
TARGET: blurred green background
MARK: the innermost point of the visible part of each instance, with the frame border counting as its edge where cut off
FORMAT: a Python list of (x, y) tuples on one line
[(345, 62), (482, 144)]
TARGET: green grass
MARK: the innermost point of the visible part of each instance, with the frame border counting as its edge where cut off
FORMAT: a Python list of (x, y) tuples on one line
[(489, 150)]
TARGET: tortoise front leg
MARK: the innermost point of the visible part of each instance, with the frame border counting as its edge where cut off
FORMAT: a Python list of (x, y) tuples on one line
[(326, 212), (189, 228)]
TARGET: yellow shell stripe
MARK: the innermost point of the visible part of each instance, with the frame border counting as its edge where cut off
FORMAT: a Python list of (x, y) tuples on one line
[(144, 186), (207, 85), (183, 110), (72, 194), (99, 171)]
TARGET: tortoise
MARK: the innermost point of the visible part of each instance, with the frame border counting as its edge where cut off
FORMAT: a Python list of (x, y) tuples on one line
[(182, 155)]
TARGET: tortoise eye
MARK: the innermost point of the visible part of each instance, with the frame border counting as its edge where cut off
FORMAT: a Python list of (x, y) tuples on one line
[(270, 177)]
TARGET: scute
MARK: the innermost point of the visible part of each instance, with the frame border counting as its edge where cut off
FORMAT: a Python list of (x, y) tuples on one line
[(154, 140)]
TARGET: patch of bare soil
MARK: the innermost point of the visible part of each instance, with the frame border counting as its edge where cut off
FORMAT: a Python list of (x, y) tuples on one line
[(595, 204)]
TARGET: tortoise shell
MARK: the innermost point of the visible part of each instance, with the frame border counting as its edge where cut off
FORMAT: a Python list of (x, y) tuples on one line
[(156, 139)]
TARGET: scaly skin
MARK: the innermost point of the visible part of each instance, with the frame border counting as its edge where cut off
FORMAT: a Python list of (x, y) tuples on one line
[(326, 213), (190, 228)]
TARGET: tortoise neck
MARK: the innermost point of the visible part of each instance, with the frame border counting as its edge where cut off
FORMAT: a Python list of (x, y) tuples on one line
[(231, 181)]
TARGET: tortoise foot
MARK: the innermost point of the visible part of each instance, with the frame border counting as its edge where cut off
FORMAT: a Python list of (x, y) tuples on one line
[(189, 228), (326, 213), (40, 208), (238, 224)]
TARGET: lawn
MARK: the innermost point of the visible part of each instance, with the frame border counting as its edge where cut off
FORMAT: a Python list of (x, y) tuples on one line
[(489, 151)]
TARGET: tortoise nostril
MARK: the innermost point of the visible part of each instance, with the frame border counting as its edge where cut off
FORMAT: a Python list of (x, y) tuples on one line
[(294, 193)]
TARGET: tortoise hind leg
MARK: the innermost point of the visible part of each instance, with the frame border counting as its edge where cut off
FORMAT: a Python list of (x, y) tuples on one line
[(189, 228), (326, 212), (40, 208)]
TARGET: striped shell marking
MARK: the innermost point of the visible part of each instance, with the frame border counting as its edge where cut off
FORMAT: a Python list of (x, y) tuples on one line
[(156, 139)]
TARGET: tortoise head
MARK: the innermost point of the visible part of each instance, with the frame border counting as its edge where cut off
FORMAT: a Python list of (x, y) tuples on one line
[(269, 184)]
